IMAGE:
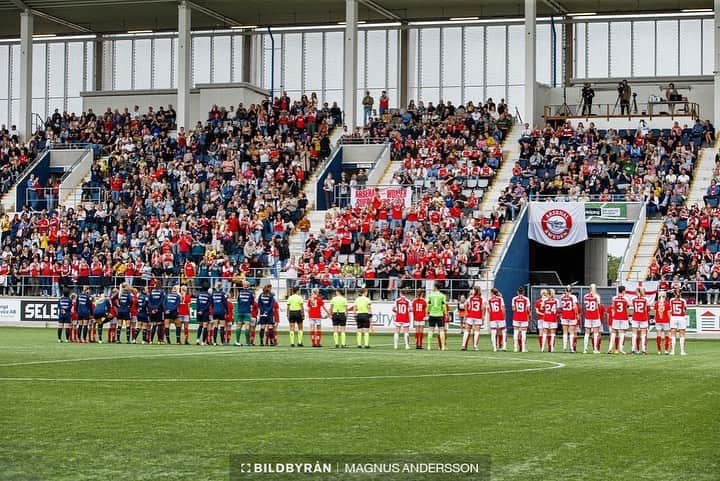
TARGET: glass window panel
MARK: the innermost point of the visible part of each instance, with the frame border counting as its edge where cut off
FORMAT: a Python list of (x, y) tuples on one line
[(237, 44), (56, 103), (4, 119), (377, 54), (495, 92), (201, 60), (123, 61), (516, 98), (580, 42), (143, 64), (313, 62), (162, 68), (559, 60), (4, 81), (392, 97), (643, 49), (620, 49), (334, 96), (516, 55), (452, 94), (15, 80), (392, 63), (598, 50), (430, 61), (429, 94), (56, 70), (361, 60), (474, 62), (333, 61), (690, 41), (452, 59), (75, 77), (413, 60), (475, 95), (292, 61), (39, 73), (496, 55), (74, 105), (412, 94), (266, 53), (221, 59), (667, 48), (38, 107), (15, 111), (543, 54), (90, 66), (708, 47), (174, 62)]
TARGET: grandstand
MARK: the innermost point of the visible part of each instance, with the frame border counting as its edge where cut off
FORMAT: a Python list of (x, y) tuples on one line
[(344, 148)]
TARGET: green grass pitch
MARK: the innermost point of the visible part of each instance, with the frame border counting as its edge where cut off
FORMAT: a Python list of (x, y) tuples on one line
[(131, 412)]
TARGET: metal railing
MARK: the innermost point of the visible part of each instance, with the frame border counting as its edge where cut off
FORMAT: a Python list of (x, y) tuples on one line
[(386, 289), (47, 198), (581, 198), (354, 140), (635, 110)]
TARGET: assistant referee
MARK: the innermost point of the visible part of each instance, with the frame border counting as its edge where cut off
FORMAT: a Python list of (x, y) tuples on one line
[(338, 314), (295, 317), (363, 311)]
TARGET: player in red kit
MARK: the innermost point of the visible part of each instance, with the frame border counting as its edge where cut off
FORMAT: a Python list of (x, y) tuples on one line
[(593, 319), (474, 308), (662, 323), (316, 307), (539, 314), (402, 319), (521, 318), (496, 317), (640, 321), (678, 322), (419, 312), (549, 323), (619, 320), (569, 313)]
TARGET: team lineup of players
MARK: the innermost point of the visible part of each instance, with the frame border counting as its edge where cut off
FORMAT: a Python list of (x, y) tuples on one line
[(148, 314)]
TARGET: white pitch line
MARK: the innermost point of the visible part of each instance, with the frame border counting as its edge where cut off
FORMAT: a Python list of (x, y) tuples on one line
[(555, 365)]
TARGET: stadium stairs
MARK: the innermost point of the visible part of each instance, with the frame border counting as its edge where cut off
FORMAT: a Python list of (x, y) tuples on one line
[(640, 254), (511, 152)]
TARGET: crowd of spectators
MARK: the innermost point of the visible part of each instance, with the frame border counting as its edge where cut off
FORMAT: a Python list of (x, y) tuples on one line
[(443, 236), (211, 203), (15, 156)]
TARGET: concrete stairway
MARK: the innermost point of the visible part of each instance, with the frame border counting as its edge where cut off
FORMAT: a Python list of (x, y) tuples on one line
[(645, 250), (703, 174)]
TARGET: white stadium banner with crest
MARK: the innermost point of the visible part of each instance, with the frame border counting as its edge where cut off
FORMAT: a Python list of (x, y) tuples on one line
[(557, 224)]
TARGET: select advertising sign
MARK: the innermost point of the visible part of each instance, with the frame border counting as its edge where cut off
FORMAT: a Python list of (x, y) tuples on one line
[(43, 310), (596, 211)]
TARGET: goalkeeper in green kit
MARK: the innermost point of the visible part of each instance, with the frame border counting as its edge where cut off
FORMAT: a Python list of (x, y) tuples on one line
[(437, 310)]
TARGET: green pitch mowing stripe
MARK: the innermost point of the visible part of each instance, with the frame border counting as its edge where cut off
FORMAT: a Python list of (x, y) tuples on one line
[(133, 412)]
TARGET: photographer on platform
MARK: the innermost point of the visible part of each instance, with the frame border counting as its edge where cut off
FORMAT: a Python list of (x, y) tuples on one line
[(624, 96), (587, 97)]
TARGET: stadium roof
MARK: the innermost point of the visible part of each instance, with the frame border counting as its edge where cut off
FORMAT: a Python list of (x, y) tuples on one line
[(63, 17)]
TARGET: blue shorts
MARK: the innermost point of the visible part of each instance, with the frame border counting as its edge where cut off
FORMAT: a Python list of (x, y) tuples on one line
[(64, 319), (219, 317), (173, 315), (204, 317), (265, 320)]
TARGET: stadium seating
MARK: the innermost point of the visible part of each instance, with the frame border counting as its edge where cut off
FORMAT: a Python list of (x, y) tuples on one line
[(215, 203)]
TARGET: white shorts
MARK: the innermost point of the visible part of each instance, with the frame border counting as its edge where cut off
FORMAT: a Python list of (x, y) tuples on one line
[(185, 318), (639, 324), (592, 323), (498, 324), (620, 325), (520, 324), (471, 321), (662, 327), (548, 325), (568, 322), (316, 322), (401, 324), (419, 323), (678, 322)]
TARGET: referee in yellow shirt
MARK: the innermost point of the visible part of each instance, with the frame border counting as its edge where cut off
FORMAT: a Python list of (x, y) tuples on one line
[(295, 317), (363, 311), (338, 314)]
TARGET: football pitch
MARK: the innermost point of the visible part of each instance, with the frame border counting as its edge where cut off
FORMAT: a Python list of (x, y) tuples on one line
[(130, 412)]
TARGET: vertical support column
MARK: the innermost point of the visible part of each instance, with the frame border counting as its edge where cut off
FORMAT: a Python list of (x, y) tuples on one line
[(403, 67), (26, 50), (530, 41), (97, 83), (596, 261), (249, 58), (716, 69), (184, 71), (350, 64), (568, 34)]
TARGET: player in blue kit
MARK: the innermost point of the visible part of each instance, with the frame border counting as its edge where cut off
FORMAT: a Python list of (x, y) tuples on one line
[(83, 307), (266, 315), (203, 306), (156, 304), (123, 302), (143, 314), (101, 313), (172, 303), (219, 309), (245, 300), (65, 305)]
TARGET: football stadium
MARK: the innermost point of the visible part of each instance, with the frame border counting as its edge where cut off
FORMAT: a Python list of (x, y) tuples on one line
[(369, 240)]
